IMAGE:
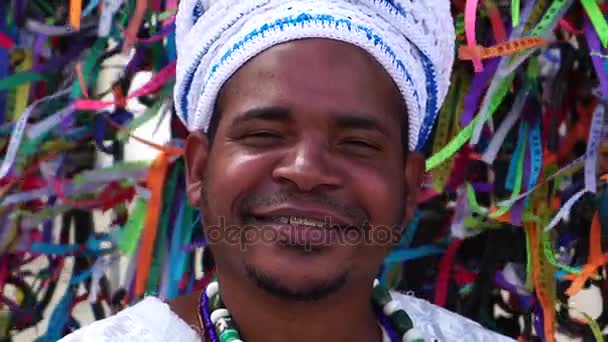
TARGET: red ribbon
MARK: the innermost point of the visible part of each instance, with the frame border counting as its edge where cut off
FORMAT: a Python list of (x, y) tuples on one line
[(6, 42), (445, 266)]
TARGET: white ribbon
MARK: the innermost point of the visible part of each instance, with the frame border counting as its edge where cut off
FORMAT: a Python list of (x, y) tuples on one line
[(490, 155), (18, 130)]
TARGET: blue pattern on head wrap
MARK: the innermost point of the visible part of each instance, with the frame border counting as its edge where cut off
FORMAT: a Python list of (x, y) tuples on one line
[(197, 12), (332, 22), (431, 104), (431, 83), (326, 21), (183, 105)]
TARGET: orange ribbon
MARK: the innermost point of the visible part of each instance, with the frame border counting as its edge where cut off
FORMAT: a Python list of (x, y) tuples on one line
[(595, 259), (155, 182), (83, 84), (502, 49), (543, 297), (170, 151), (75, 13)]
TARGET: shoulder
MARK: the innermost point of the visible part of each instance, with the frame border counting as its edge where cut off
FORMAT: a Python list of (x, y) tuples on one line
[(439, 324), (150, 320)]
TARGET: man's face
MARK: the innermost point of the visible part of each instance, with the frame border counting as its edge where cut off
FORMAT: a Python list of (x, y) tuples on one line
[(305, 184)]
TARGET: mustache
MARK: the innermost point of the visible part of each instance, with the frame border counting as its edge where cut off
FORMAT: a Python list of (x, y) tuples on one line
[(260, 200)]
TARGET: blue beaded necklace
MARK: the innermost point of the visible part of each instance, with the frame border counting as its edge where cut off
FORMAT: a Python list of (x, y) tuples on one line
[(219, 326)]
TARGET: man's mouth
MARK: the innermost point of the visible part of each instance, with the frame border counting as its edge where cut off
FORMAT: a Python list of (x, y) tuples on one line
[(299, 221)]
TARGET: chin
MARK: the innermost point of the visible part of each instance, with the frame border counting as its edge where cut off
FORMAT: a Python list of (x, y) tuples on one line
[(296, 275)]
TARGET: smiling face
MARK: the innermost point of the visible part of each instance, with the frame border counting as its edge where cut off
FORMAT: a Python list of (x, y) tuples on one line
[(306, 180)]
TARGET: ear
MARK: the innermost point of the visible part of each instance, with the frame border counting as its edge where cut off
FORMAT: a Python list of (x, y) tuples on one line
[(196, 154), (414, 175)]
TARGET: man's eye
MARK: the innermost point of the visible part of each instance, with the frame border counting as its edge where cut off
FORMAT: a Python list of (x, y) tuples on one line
[(261, 138), (360, 144)]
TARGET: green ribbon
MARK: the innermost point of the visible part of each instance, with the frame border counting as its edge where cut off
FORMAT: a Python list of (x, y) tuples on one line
[(515, 8), (131, 233), (139, 120), (89, 70), (595, 328), (597, 19), (18, 79), (518, 177), (161, 246), (455, 144)]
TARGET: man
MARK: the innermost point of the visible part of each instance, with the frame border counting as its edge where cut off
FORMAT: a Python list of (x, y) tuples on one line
[(307, 119)]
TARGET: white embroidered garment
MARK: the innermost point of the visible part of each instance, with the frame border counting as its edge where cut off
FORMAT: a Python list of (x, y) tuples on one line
[(151, 320)]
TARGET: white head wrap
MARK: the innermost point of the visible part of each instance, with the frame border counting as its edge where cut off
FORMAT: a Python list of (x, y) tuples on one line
[(412, 39)]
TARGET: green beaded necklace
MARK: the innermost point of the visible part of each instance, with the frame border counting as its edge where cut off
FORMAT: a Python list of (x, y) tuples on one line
[(220, 327)]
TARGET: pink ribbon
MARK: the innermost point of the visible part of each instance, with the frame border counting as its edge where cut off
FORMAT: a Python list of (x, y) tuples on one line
[(469, 28)]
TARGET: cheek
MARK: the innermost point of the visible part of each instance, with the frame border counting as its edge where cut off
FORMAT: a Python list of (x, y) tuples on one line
[(231, 175), (380, 192)]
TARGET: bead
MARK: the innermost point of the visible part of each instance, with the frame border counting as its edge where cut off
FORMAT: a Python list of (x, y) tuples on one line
[(390, 307), (212, 289), (401, 321), (227, 331), (216, 303), (230, 335), (225, 323), (413, 335), (219, 313), (380, 296)]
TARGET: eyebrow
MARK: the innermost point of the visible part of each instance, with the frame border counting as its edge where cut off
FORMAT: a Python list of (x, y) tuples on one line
[(263, 113)]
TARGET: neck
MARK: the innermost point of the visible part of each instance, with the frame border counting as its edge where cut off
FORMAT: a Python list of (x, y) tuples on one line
[(344, 316)]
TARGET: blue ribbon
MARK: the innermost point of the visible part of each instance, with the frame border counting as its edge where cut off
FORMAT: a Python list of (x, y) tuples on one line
[(120, 117), (603, 211), (4, 60), (171, 51), (53, 249), (412, 254), (523, 128), (59, 318), (175, 262)]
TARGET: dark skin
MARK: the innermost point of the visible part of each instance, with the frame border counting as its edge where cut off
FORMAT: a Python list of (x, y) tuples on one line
[(310, 128)]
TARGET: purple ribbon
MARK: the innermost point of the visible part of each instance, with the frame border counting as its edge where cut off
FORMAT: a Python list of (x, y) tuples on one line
[(483, 187), (538, 318), (120, 117), (598, 63), (38, 47), (166, 30), (524, 301), (203, 309), (388, 327), (4, 59), (136, 62), (480, 82), (18, 12), (3, 74), (59, 62)]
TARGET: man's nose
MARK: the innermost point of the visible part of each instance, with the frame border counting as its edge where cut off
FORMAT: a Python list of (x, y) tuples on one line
[(308, 165)]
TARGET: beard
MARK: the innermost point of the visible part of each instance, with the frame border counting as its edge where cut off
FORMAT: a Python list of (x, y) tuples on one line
[(312, 292)]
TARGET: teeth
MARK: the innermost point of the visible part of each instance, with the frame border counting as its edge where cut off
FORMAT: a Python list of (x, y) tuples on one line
[(312, 222), (300, 221)]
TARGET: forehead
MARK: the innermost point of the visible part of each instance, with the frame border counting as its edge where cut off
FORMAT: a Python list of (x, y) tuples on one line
[(314, 75)]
